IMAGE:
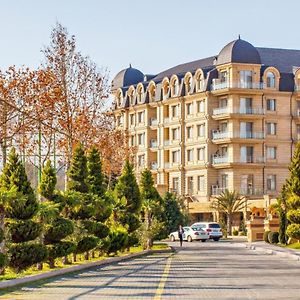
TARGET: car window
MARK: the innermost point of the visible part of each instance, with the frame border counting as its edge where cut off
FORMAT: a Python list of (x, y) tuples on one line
[(186, 228), (197, 228), (214, 226)]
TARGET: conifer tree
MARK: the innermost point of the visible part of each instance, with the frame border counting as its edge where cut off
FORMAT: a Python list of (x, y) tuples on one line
[(57, 228), (293, 188), (78, 171), (21, 208)]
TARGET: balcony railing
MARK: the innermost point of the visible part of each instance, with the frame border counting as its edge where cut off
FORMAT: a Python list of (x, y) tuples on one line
[(217, 85), (167, 165), (166, 120), (154, 165), (253, 160), (153, 122), (219, 135), (216, 190), (251, 191), (220, 160), (245, 111), (153, 144), (167, 142), (297, 88)]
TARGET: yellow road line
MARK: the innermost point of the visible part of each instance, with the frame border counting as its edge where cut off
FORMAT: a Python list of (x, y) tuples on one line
[(163, 279)]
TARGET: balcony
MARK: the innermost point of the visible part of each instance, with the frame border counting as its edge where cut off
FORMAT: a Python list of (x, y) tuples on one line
[(242, 111), (167, 142), (251, 191), (166, 120), (251, 135), (221, 135), (220, 160), (153, 122), (153, 144), (167, 165), (153, 166), (253, 160), (218, 85), (216, 190)]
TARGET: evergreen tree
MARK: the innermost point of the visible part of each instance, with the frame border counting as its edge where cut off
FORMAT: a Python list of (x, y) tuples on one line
[(293, 190), (78, 171), (95, 176), (56, 228), (127, 187), (151, 207), (22, 206)]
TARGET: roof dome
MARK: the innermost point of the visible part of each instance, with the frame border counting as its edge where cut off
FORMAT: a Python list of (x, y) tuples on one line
[(238, 51), (127, 77)]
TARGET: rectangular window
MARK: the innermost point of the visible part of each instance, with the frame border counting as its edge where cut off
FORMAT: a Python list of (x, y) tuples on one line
[(141, 139), (246, 79), (298, 132), (190, 185), (132, 140), (190, 155), (246, 130), (131, 118), (223, 76), (271, 128), (189, 132), (141, 160), (223, 103), (175, 133), (271, 182), (247, 184), (189, 109), (201, 130), (246, 105), (224, 181), (201, 153), (247, 154), (271, 152), (141, 117), (271, 104), (175, 156), (201, 183), (175, 184), (201, 106), (174, 110)]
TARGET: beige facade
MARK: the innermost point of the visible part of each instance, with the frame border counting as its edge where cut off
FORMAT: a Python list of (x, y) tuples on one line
[(200, 137)]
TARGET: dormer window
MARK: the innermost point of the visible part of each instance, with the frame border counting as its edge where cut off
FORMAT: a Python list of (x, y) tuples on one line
[(139, 95), (188, 85), (131, 97), (166, 88), (175, 88), (271, 80), (199, 83), (152, 92), (119, 99)]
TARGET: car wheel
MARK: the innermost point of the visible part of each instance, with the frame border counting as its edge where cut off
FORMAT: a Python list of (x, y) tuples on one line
[(189, 239), (203, 241), (172, 238), (216, 239)]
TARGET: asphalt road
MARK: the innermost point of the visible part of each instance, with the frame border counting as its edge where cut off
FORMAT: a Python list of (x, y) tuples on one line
[(211, 270)]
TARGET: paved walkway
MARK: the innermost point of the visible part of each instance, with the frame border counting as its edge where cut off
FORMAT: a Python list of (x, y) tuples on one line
[(211, 270)]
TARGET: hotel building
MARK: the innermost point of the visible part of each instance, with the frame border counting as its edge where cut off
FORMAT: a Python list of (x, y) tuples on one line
[(229, 121)]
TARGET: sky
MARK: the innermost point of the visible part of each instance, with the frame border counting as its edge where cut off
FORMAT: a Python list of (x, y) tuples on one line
[(152, 35)]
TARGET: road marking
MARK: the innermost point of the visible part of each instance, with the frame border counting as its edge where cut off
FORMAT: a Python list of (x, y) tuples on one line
[(163, 279)]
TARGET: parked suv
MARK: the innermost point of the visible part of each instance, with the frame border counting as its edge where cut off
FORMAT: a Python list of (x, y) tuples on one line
[(213, 229)]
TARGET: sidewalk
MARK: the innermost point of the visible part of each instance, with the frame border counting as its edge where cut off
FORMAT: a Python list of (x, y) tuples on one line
[(271, 249)]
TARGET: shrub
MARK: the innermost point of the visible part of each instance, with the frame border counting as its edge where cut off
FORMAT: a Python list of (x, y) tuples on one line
[(25, 255), (86, 244), (24, 231), (61, 249), (273, 237), (58, 229), (3, 260), (293, 231), (98, 229), (104, 245), (265, 237), (235, 232), (118, 240)]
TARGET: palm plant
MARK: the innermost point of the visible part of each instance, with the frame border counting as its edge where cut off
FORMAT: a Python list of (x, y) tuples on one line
[(229, 202)]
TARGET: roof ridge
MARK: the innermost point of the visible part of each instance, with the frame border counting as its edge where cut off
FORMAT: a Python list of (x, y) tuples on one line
[(284, 49)]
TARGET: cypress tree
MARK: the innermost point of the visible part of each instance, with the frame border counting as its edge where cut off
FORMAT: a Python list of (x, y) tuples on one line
[(21, 208), (293, 202), (57, 228), (78, 171)]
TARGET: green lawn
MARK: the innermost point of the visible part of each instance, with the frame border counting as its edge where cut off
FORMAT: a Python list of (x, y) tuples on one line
[(294, 246)]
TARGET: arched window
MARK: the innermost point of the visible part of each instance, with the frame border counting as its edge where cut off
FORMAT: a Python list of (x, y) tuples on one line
[(131, 96), (175, 88), (199, 83), (119, 98), (271, 80), (166, 88), (188, 84), (152, 92), (139, 94)]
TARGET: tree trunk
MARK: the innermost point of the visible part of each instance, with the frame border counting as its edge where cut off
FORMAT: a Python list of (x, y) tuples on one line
[(86, 255), (93, 254), (51, 263), (2, 245), (66, 260), (229, 224), (74, 257)]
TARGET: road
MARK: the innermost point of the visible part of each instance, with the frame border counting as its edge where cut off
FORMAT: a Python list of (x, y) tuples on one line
[(211, 270)]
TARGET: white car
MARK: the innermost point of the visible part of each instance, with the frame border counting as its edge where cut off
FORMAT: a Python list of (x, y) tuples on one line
[(190, 234), (213, 229)]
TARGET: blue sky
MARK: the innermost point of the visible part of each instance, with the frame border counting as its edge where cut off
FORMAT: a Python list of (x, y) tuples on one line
[(152, 35)]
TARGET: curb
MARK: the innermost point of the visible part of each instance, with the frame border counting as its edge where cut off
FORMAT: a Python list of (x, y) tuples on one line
[(295, 257), (54, 273)]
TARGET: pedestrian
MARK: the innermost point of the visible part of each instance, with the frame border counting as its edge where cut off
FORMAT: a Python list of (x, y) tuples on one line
[(180, 234)]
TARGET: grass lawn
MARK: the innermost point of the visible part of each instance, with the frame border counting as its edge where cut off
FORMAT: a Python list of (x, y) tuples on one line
[(10, 274), (295, 246)]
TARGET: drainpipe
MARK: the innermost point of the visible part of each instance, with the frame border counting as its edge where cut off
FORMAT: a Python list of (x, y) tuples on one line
[(182, 146), (263, 144), (291, 124)]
